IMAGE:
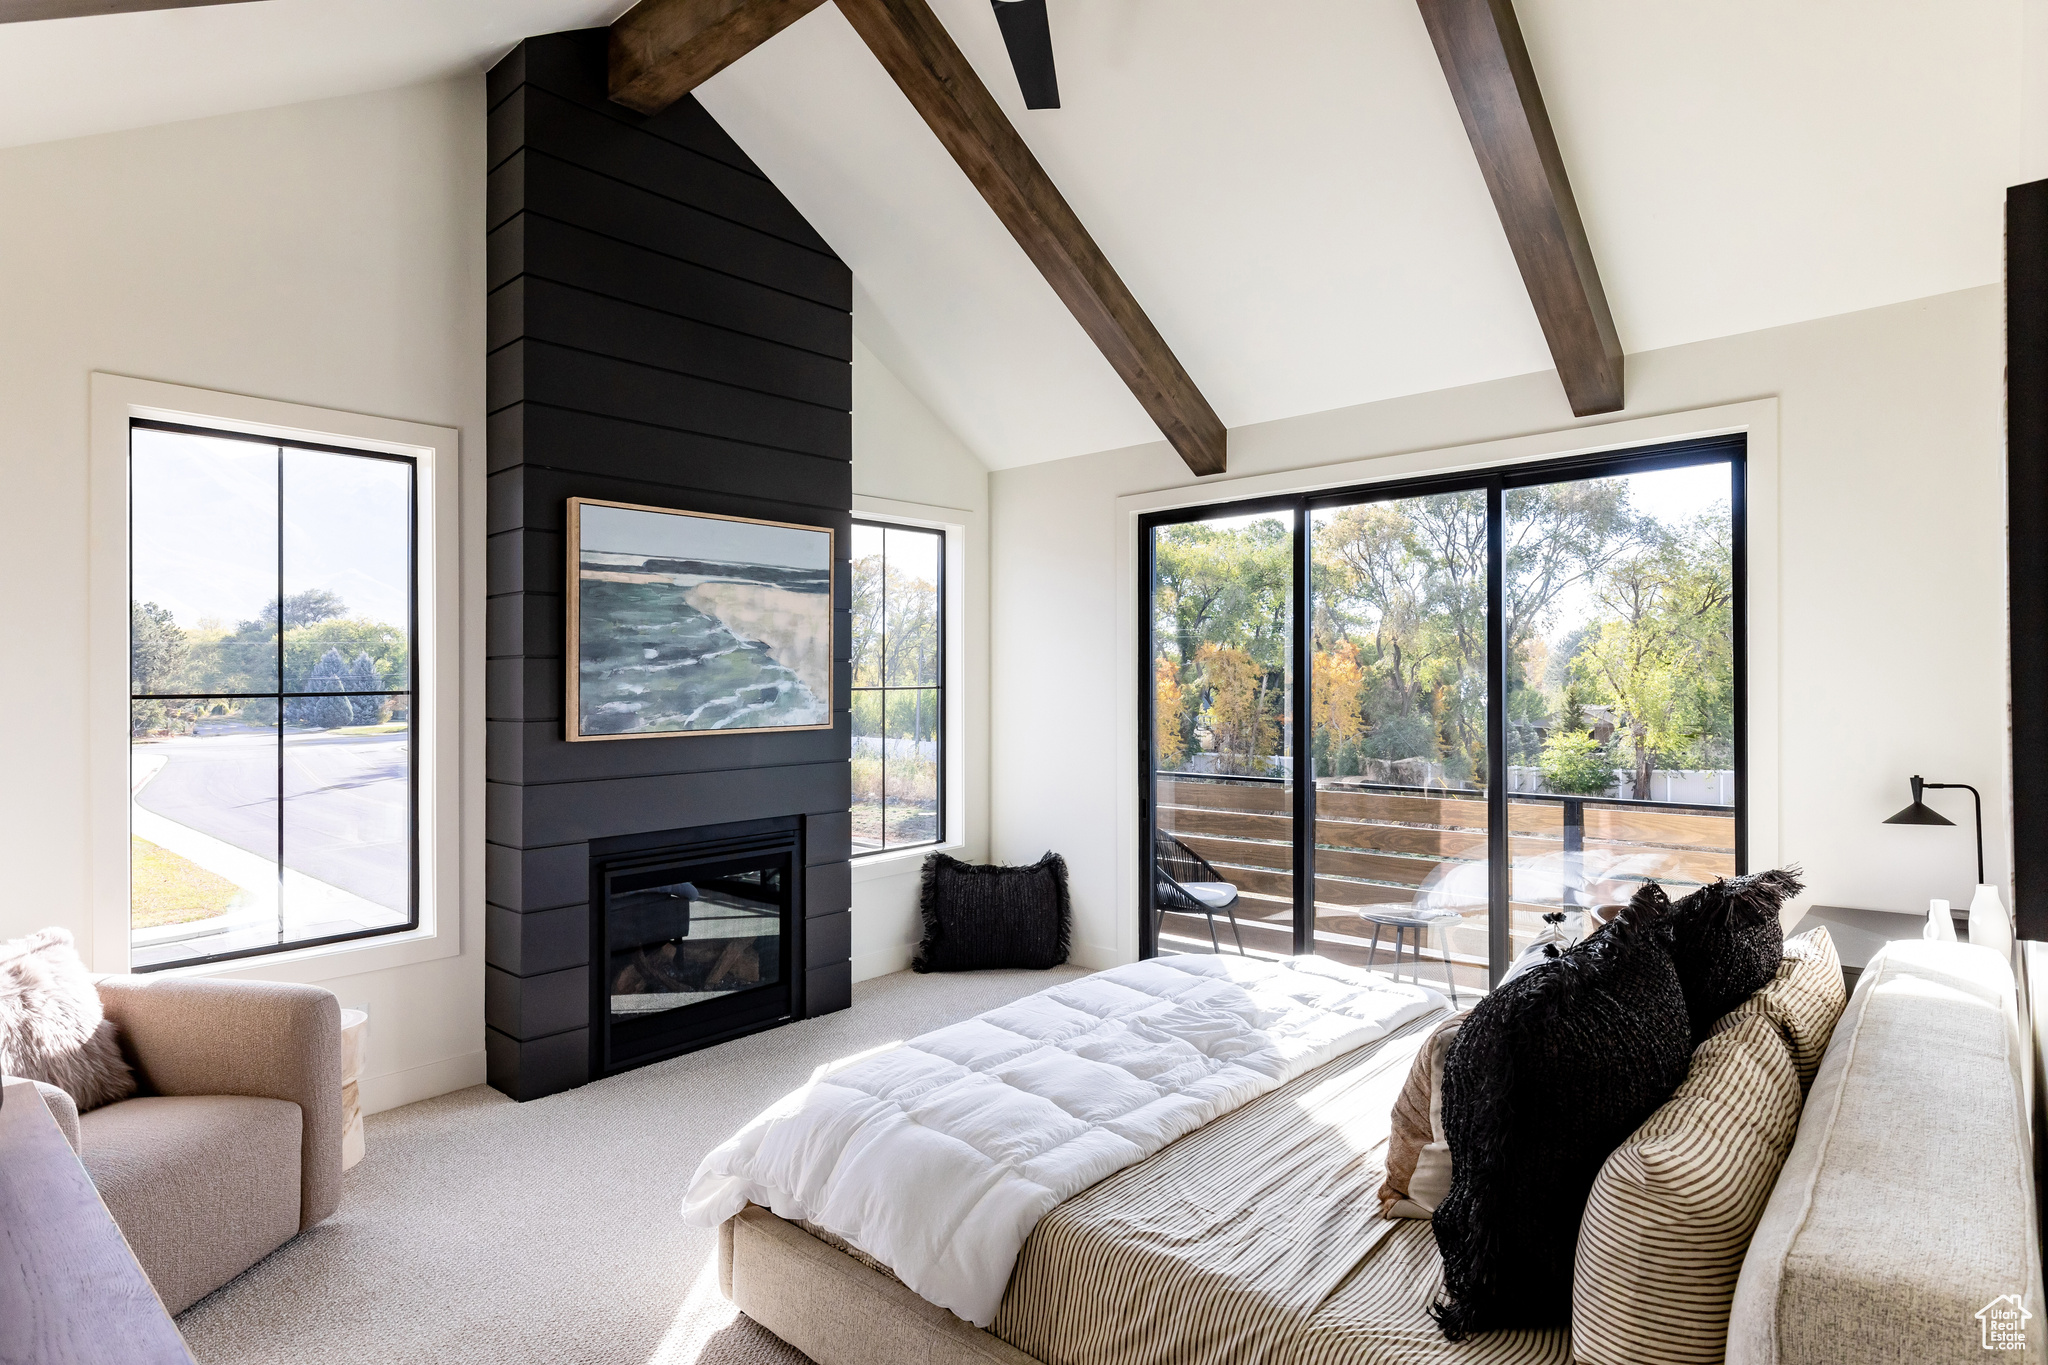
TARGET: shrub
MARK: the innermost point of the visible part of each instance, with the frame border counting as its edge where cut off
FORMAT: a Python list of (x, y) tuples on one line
[(1573, 765)]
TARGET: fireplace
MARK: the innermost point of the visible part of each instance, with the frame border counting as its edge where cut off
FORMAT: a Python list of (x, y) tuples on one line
[(600, 269), (696, 936)]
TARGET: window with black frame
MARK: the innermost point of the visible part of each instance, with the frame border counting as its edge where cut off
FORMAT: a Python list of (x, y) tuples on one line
[(1523, 700), (898, 686), (272, 695)]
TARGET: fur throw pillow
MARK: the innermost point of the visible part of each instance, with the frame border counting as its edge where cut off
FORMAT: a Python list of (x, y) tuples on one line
[(1549, 1074), (1726, 939), (51, 1028)]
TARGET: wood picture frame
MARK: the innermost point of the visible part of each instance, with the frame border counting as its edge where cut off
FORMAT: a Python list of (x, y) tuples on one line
[(673, 630)]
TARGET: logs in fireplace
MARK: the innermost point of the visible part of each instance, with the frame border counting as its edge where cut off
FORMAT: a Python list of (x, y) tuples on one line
[(696, 936)]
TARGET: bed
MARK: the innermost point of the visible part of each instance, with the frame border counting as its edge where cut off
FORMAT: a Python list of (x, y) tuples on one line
[(1256, 1237)]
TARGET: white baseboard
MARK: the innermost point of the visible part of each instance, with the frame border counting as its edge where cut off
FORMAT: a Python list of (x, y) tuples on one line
[(417, 1083), (883, 961), (1095, 956)]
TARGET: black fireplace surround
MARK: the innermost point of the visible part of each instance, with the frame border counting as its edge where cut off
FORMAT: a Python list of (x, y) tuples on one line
[(665, 329), (698, 936)]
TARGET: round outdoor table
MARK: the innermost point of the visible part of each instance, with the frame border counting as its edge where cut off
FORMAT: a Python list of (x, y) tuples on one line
[(1404, 924)]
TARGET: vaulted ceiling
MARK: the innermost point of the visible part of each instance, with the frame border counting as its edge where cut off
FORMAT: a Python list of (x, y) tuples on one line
[(1284, 184)]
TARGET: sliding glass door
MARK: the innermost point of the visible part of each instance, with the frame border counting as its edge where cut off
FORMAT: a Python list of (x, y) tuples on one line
[(1402, 712), (1522, 702), (1221, 693)]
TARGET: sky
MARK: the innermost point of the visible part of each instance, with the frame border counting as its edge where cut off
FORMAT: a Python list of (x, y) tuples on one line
[(204, 527), (629, 531), (914, 553)]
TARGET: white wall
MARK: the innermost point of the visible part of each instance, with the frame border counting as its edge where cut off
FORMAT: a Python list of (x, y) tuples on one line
[(329, 254), (1892, 590), (903, 453)]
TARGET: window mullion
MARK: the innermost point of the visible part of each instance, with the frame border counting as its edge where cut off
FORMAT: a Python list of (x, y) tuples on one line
[(1498, 869), (1304, 743), (280, 695)]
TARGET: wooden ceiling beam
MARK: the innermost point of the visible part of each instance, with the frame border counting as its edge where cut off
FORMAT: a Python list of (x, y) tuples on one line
[(662, 49), (28, 11), (915, 49), (1480, 45)]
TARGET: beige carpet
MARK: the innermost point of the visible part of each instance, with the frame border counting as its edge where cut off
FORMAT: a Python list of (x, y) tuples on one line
[(480, 1230)]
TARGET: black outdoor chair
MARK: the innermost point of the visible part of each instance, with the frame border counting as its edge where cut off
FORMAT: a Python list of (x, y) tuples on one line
[(1184, 882)]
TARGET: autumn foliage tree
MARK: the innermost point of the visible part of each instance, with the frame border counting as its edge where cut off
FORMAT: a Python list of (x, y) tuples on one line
[(1169, 704), (1245, 734), (1338, 698)]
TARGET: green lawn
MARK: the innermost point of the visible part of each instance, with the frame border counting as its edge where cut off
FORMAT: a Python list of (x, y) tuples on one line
[(167, 889)]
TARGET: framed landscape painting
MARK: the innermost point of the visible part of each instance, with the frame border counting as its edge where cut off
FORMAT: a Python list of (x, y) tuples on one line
[(686, 623)]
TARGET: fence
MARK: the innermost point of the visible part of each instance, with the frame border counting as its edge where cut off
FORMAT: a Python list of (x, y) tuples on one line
[(1676, 786), (876, 746), (1378, 849)]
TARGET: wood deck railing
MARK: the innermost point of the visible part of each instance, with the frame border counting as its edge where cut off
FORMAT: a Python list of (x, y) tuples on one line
[(1386, 849)]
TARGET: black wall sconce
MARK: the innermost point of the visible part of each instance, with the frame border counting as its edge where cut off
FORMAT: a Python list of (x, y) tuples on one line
[(1920, 813)]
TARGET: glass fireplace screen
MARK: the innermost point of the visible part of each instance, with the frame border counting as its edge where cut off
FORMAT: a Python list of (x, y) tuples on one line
[(674, 942)]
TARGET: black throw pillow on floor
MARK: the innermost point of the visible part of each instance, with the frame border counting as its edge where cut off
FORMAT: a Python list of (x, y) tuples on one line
[(1726, 939), (1547, 1077), (977, 917)]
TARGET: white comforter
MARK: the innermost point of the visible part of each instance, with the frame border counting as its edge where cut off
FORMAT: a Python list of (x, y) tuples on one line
[(938, 1156)]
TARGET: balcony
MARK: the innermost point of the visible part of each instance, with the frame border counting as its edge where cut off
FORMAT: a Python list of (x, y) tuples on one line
[(1400, 849)]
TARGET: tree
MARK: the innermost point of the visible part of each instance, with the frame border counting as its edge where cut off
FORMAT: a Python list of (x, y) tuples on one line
[(1169, 701), (1226, 584), (362, 678), (308, 608), (1664, 655), (1573, 765), (913, 630), (1243, 731), (156, 663), (869, 605), (1338, 699), (306, 647), (330, 675), (1403, 736), (1413, 574), (156, 648), (1560, 534)]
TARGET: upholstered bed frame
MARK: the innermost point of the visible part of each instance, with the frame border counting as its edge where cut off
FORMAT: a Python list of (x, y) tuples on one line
[(836, 1310), (1919, 1094)]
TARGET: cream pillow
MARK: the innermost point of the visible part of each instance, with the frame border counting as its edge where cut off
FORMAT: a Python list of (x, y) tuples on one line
[(1673, 1208), (1418, 1158), (1803, 1000)]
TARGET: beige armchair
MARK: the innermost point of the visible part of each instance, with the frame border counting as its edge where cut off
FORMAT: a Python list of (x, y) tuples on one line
[(232, 1146)]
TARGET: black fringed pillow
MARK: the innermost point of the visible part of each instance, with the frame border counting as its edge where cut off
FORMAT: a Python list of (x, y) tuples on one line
[(1547, 1077), (1726, 939), (977, 917)]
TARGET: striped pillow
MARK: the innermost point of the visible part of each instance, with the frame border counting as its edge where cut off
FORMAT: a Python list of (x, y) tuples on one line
[(1803, 1000), (1418, 1158), (1672, 1211)]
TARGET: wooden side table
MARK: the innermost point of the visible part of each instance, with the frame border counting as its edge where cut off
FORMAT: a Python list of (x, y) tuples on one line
[(355, 1048), (71, 1292)]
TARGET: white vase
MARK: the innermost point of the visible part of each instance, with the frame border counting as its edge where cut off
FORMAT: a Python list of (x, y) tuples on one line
[(1990, 926), (1940, 926)]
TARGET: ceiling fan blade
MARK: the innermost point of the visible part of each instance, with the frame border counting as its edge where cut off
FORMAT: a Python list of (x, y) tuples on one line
[(1028, 34)]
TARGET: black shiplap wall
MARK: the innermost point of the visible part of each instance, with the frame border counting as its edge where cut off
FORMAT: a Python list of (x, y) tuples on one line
[(665, 329)]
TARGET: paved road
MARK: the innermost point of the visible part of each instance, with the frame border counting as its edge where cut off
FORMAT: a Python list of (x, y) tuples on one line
[(347, 812)]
